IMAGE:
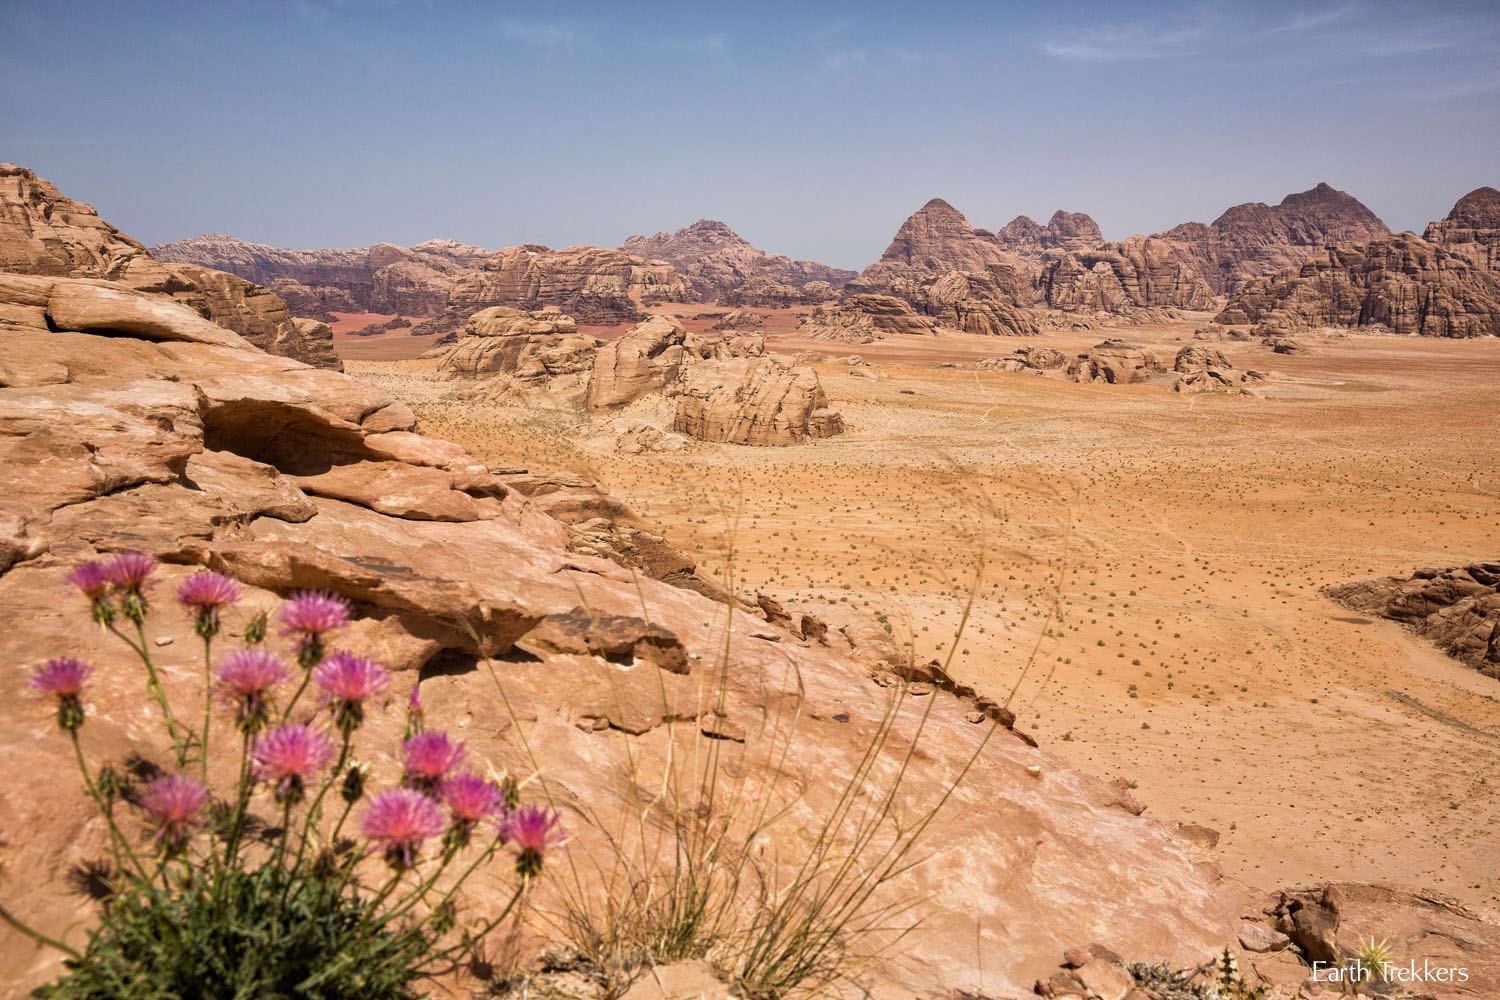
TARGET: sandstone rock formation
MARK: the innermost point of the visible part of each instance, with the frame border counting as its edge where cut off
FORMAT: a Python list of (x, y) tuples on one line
[(529, 346), (1472, 228), (1204, 369), (859, 319), (591, 284), (205, 452), (44, 232), (739, 319), (384, 278), (1256, 240), (726, 388), (936, 239), (645, 360), (1136, 273), (753, 400), (970, 302), (1458, 608), (1065, 231), (1400, 284), (725, 267), (1115, 362)]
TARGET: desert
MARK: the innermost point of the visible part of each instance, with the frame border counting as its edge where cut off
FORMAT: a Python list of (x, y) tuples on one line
[(479, 542)]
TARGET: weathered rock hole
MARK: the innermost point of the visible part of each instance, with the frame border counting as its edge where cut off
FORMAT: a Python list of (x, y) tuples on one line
[(289, 438)]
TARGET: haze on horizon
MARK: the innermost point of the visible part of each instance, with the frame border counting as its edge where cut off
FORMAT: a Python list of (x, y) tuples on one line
[(812, 130)]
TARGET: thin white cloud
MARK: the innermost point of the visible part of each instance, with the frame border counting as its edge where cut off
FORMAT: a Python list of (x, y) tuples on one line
[(841, 59), (1314, 19), (1129, 41), (540, 34)]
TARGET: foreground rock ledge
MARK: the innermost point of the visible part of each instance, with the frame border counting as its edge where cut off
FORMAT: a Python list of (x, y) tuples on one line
[(207, 452)]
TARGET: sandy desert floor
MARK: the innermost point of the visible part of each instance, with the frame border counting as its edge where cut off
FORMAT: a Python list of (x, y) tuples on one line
[(1162, 555)]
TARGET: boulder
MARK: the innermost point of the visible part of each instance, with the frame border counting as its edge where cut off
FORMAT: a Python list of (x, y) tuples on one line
[(528, 346), (1458, 608), (644, 360), (753, 400)]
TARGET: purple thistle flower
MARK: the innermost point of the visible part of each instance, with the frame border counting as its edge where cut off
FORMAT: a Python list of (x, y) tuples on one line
[(350, 681), (310, 616), (129, 571), (533, 831), (288, 756), (63, 679), (469, 799), (174, 804), (204, 593), (428, 757), (91, 578), (129, 575), (400, 820), (243, 679)]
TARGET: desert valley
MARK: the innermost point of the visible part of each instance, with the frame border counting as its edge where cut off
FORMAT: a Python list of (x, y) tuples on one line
[(1201, 525)]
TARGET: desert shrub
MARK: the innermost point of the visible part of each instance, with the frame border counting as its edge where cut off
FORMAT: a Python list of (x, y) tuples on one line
[(219, 902)]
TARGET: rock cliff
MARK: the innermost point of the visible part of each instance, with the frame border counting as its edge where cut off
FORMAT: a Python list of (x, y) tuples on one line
[(725, 267), (44, 232)]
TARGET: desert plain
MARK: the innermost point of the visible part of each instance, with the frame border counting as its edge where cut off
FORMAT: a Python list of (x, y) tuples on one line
[(1147, 569)]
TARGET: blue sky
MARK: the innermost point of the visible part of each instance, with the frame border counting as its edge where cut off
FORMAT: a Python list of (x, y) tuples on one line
[(811, 128)]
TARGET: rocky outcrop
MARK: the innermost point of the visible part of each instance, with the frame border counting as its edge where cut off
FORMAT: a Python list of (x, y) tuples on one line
[(383, 278), (1065, 231), (753, 400), (937, 239), (726, 388), (44, 232), (593, 285), (725, 267), (1399, 284), (739, 319), (969, 302), (641, 362), (1205, 369), (1138, 273), (861, 319), (1472, 228), (1115, 362), (1257, 240), (207, 453), (1458, 608), (529, 346), (1188, 266)]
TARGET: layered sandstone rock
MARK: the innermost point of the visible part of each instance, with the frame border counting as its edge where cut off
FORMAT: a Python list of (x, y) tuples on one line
[(1115, 362), (205, 452), (725, 267), (44, 232), (1401, 284), (970, 302), (1137, 273), (864, 318), (383, 278), (642, 361), (591, 284), (1472, 228), (753, 400), (529, 346), (1256, 240), (937, 239), (1205, 369), (1458, 608), (726, 388), (1065, 231)]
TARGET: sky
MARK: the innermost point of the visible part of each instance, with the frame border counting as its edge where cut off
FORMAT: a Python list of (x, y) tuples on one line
[(813, 129)]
